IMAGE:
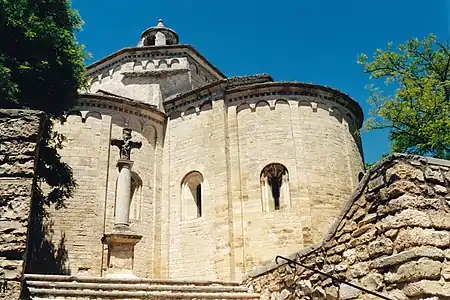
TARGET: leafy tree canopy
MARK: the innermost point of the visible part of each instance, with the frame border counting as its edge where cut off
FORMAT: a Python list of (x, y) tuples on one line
[(41, 63), (417, 111)]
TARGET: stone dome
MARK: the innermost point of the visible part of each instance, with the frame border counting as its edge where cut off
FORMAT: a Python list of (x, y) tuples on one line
[(158, 35)]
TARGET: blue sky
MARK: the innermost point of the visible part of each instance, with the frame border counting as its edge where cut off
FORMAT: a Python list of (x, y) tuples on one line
[(314, 41)]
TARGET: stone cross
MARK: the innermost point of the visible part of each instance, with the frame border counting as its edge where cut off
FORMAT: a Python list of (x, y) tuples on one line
[(123, 196), (126, 144)]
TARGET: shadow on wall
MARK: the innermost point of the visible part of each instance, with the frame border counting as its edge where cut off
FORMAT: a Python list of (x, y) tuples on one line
[(53, 183), (43, 256)]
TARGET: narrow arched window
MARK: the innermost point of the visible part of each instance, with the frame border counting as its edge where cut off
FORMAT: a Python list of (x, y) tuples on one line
[(275, 187), (150, 41), (136, 197), (191, 196)]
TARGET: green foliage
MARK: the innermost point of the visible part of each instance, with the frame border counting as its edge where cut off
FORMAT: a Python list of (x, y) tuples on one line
[(41, 63), (368, 165), (417, 112)]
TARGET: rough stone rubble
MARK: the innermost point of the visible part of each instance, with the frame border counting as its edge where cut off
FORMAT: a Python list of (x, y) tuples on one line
[(19, 132)]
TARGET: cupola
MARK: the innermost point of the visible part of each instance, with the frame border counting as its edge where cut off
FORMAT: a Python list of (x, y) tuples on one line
[(158, 35)]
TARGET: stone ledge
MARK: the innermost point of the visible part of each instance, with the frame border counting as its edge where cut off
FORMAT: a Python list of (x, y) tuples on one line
[(155, 73), (135, 287), (69, 278), (144, 295)]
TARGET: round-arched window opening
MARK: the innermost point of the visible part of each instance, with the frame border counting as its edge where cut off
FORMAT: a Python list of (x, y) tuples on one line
[(150, 41), (136, 197), (274, 187), (192, 195)]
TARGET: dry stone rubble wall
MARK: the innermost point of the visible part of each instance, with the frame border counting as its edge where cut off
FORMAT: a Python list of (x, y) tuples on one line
[(19, 132)]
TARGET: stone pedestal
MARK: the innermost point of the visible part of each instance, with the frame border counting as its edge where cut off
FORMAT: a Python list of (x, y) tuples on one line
[(120, 253)]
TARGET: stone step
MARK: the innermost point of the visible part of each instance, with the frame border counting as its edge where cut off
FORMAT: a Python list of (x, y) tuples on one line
[(135, 287), (38, 294), (81, 287), (91, 279)]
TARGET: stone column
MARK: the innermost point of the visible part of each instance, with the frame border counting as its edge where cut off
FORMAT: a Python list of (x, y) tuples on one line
[(123, 196), (122, 240)]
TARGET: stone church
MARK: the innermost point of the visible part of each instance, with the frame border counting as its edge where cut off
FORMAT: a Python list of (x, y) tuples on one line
[(194, 182), (230, 172)]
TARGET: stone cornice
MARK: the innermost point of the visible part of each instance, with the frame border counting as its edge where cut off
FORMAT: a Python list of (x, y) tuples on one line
[(155, 73), (122, 105), (239, 89), (299, 89), (135, 52)]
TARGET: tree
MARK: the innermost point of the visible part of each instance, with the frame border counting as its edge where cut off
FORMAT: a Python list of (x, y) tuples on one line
[(42, 68), (41, 63), (417, 111)]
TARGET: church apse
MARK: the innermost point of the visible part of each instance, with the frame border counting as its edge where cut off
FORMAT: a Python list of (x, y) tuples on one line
[(241, 168)]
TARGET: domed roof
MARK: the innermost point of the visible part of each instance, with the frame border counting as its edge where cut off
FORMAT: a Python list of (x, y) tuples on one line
[(158, 35)]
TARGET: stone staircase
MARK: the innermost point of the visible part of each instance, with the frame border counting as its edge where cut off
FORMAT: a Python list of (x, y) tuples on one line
[(42, 287)]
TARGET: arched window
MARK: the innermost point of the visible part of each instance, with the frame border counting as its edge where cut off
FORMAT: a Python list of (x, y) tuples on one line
[(136, 197), (275, 187), (150, 41), (192, 196)]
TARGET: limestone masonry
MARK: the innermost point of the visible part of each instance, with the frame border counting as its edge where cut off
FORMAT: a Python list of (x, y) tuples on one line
[(219, 134), (191, 183)]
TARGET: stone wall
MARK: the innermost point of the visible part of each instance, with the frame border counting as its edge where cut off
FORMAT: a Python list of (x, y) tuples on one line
[(229, 141), (393, 237), (320, 155), (19, 132), (89, 214), (197, 248)]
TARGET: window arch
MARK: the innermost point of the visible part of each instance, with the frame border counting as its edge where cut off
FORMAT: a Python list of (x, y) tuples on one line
[(275, 187), (150, 41), (136, 197), (192, 196)]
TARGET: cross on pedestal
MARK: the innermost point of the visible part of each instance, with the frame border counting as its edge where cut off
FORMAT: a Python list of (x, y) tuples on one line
[(123, 196), (122, 241)]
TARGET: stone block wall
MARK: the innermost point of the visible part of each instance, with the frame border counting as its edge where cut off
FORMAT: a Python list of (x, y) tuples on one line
[(230, 141), (19, 133), (89, 214), (393, 237), (197, 248), (322, 160)]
